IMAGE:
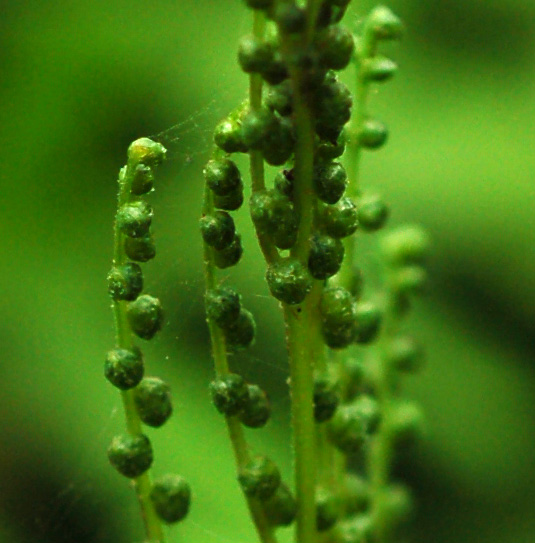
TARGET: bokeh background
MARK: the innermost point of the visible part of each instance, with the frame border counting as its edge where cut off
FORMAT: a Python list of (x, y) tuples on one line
[(78, 82)]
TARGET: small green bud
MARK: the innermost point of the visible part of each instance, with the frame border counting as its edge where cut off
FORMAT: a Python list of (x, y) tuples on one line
[(368, 408), (229, 256), (257, 126), (229, 394), (338, 317), (223, 306), (332, 108), (171, 496), (222, 176), (368, 317), (395, 504), (257, 411), (275, 72), (259, 4), (354, 372), (134, 219), (330, 181), (124, 368), (405, 354), (125, 282), (336, 47), (145, 316), (254, 54), (383, 24), (341, 219), (140, 249), (326, 397), (217, 229), (378, 68), (280, 98), (146, 151), (328, 509), (347, 429), (281, 508), (280, 142), (228, 136), (260, 478), (405, 422), (373, 134), (325, 257), (409, 280), (356, 529), (130, 455), (327, 150), (405, 245), (240, 334), (231, 201), (288, 281), (372, 212), (284, 183), (153, 401), (357, 494), (142, 180), (290, 18)]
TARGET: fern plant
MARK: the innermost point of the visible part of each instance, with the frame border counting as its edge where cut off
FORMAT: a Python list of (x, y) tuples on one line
[(304, 132)]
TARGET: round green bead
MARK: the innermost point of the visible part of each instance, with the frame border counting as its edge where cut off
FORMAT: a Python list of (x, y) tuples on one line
[(231, 201), (257, 410), (256, 127), (260, 478), (222, 176), (284, 183), (123, 368), (357, 529), (368, 408), (329, 150), (130, 455), (341, 219), (378, 68), (409, 280), (347, 429), (254, 54), (145, 151), (223, 306), (330, 181), (405, 354), (405, 422), (275, 72), (279, 143), (280, 98), (288, 281), (332, 108), (336, 47), (406, 245), (328, 509), (354, 372), (140, 249), (325, 257), (396, 504), (336, 306), (240, 334), (229, 256), (142, 180), (125, 282), (134, 219), (383, 24), (171, 497), (145, 316), (217, 229), (372, 212), (281, 508), (153, 401), (290, 18), (229, 394), (373, 134), (356, 493), (228, 136), (368, 317), (326, 397)]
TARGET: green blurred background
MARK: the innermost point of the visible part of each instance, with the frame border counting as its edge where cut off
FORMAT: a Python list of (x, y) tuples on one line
[(79, 81)]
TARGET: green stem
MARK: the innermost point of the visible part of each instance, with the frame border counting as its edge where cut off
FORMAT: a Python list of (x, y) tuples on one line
[(124, 340), (234, 428)]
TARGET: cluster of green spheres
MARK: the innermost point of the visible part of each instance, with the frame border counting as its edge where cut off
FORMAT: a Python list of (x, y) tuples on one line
[(132, 455)]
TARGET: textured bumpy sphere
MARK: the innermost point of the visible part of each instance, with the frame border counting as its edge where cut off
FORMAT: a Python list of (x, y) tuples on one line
[(332, 108), (347, 429), (325, 257), (222, 176), (383, 24), (290, 18), (326, 398), (280, 98), (378, 68), (153, 401), (337, 310), (171, 496), (134, 219), (368, 317), (405, 354), (281, 508), (406, 245), (146, 151), (284, 183), (217, 229), (256, 411), (288, 281), (254, 54), (142, 180), (336, 47), (256, 127), (341, 219), (229, 256), (240, 334), (223, 306), (140, 249), (373, 134), (231, 201), (145, 316), (279, 143), (229, 394), (130, 455), (125, 282), (328, 509), (124, 368), (330, 181), (228, 136), (260, 478), (329, 150), (373, 212)]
